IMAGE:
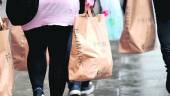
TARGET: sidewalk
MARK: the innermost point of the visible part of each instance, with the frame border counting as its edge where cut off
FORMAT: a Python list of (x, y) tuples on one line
[(133, 75)]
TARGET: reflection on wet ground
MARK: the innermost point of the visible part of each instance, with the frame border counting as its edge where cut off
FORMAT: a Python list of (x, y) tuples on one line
[(133, 75)]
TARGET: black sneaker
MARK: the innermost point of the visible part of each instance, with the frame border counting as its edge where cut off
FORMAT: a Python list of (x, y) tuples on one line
[(38, 92), (86, 90)]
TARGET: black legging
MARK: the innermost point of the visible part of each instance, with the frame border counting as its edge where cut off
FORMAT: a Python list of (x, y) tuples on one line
[(164, 38), (56, 39)]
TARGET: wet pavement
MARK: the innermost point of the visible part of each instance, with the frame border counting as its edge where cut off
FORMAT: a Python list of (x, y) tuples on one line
[(133, 75)]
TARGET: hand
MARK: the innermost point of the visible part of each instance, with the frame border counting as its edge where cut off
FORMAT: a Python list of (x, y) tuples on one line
[(105, 12), (89, 4)]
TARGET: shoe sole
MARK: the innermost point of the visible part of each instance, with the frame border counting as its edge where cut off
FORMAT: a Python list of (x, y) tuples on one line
[(88, 91), (75, 93)]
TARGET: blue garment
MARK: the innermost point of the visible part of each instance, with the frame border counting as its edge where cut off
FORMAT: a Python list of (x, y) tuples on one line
[(78, 85), (114, 19)]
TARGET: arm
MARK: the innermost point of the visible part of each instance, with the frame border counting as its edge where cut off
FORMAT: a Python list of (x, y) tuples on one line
[(105, 6), (90, 2), (82, 6), (85, 4)]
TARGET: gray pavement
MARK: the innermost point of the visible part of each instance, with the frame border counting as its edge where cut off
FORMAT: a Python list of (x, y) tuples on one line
[(133, 75)]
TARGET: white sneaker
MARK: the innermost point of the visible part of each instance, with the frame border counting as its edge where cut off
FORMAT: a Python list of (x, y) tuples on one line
[(87, 90), (75, 93)]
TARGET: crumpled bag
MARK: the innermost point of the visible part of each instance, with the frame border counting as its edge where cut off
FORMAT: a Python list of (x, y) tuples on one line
[(6, 63), (19, 48)]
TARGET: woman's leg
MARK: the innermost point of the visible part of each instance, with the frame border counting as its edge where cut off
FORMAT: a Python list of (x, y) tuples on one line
[(74, 86), (164, 37), (36, 57), (58, 70)]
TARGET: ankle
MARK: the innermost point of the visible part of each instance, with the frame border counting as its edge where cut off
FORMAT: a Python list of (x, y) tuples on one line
[(38, 91)]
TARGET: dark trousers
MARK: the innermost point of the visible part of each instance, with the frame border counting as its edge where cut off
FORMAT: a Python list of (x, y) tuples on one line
[(78, 85), (56, 38), (164, 38)]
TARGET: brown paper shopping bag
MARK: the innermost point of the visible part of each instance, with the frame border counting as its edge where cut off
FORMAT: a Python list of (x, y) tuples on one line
[(90, 56), (6, 64), (19, 47), (139, 31)]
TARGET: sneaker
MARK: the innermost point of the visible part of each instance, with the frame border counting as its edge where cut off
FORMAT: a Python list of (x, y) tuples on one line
[(75, 93), (86, 90), (74, 88), (38, 92)]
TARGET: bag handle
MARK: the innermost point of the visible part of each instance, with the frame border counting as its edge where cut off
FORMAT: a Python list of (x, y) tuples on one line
[(89, 12), (3, 24)]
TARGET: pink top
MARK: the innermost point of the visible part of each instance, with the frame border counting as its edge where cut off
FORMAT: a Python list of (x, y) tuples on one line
[(55, 12)]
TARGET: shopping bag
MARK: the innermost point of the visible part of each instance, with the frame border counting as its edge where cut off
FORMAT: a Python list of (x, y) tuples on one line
[(19, 48), (6, 64), (140, 31), (114, 18), (90, 56)]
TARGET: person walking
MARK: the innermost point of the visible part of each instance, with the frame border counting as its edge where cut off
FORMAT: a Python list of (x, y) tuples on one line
[(78, 88), (51, 27)]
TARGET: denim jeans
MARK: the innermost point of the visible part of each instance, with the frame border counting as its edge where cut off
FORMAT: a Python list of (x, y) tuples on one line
[(77, 85)]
